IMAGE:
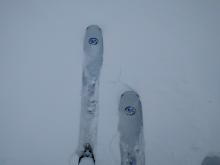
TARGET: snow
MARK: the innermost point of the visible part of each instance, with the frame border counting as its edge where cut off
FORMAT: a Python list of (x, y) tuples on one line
[(167, 51)]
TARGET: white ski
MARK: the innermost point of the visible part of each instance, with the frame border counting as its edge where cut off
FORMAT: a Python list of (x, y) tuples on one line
[(93, 58), (131, 129)]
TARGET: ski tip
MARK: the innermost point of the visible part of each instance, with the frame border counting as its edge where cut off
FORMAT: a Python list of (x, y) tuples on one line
[(130, 103), (93, 27), (130, 94), (93, 42), (211, 160)]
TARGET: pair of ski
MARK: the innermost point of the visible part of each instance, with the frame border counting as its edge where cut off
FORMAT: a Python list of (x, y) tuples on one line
[(130, 111)]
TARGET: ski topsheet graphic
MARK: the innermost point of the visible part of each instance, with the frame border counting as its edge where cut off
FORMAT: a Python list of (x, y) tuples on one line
[(92, 63), (131, 129)]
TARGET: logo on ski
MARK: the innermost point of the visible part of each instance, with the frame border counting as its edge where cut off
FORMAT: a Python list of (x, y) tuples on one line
[(130, 110), (93, 41)]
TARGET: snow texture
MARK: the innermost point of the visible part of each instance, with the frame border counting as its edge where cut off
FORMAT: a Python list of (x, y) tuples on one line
[(167, 51)]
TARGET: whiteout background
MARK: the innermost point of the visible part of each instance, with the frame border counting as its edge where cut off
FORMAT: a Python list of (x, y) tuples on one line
[(168, 51)]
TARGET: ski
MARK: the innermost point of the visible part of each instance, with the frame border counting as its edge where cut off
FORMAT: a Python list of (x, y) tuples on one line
[(130, 128), (92, 63)]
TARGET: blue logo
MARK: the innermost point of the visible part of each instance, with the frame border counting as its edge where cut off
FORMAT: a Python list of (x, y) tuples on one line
[(93, 41), (130, 110), (132, 162)]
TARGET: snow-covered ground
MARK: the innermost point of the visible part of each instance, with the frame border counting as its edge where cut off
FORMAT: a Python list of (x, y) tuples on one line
[(168, 51)]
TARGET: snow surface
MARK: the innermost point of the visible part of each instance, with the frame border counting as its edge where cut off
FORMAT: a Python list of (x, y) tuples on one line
[(168, 51)]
